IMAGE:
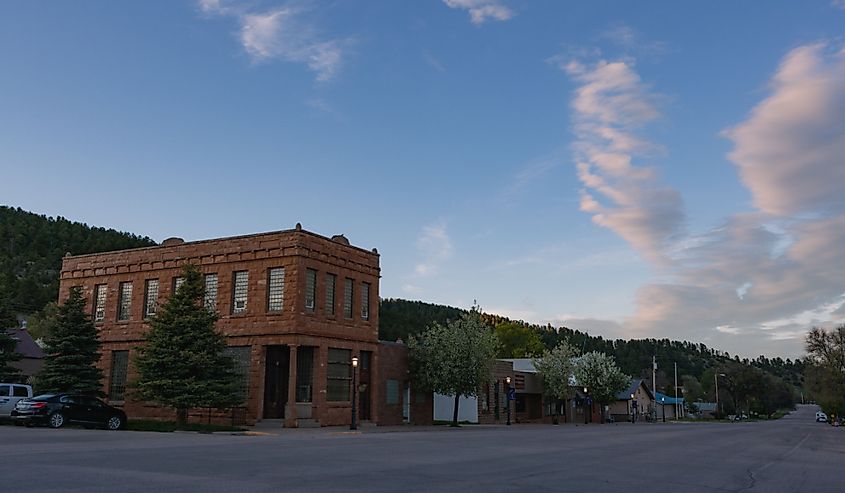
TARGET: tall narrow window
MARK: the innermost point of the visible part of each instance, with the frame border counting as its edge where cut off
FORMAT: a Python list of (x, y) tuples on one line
[(150, 297), (348, 287), (365, 301), (117, 381), (210, 299), (100, 302), (310, 289), (239, 292), (241, 358), (331, 280), (338, 375), (177, 282), (304, 373), (276, 289), (125, 306)]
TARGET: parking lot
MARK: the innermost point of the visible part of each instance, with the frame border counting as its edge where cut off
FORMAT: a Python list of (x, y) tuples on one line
[(791, 454)]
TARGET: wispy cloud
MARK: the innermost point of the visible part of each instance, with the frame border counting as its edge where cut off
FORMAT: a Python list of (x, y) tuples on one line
[(839, 4), (778, 267), (480, 11), (611, 104), (435, 247), (282, 33)]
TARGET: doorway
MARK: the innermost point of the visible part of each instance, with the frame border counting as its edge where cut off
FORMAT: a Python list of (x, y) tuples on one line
[(277, 365)]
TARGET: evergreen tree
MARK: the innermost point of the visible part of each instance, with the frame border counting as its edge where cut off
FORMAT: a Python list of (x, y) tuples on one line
[(8, 354), (182, 364), (72, 352)]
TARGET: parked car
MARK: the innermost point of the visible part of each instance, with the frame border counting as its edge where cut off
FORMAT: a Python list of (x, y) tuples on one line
[(821, 417), (57, 410), (10, 394)]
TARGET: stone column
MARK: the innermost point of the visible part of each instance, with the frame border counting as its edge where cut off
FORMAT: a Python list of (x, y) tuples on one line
[(290, 407)]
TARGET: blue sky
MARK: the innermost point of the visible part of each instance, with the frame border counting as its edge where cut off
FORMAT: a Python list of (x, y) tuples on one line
[(635, 170)]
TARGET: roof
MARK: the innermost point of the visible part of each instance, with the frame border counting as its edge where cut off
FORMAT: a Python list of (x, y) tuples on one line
[(659, 398), (632, 387), (26, 346), (525, 365), (705, 406)]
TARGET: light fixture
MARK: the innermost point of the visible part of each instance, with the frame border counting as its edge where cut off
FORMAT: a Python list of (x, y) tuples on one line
[(355, 362)]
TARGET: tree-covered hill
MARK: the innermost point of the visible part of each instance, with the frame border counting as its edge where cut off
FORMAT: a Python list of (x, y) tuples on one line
[(401, 318), (31, 251)]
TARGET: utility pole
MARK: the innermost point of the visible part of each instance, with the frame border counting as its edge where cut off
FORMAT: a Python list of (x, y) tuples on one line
[(654, 373), (677, 404)]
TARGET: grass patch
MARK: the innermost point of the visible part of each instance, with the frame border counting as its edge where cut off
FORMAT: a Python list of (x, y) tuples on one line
[(170, 426)]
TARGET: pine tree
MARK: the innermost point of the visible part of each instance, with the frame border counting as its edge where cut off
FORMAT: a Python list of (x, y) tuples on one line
[(8, 354), (72, 353), (182, 363)]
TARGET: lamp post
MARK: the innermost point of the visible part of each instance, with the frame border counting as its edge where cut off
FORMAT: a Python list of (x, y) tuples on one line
[(508, 398), (663, 405), (586, 400), (354, 425), (716, 379), (633, 408)]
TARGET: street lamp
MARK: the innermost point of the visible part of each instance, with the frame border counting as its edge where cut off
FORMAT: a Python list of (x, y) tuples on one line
[(633, 408), (663, 405), (508, 398), (586, 401), (354, 425)]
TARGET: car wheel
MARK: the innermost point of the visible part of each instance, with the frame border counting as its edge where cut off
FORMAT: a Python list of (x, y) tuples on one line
[(57, 420), (114, 423)]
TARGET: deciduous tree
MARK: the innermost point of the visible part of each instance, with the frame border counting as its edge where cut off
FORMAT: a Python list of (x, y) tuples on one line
[(556, 368), (518, 341), (602, 378), (454, 359)]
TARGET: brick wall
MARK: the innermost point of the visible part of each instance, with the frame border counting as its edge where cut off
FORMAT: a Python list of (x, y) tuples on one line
[(295, 325)]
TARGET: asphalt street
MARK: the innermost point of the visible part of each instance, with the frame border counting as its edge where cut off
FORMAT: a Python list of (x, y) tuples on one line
[(791, 454)]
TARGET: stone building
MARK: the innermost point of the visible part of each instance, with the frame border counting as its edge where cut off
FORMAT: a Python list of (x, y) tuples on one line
[(295, 306)]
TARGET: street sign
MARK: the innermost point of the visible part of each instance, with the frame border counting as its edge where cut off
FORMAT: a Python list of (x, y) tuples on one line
[(511, 394)]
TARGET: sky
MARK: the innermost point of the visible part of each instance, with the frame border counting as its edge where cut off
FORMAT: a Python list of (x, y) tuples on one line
[(633, 169)]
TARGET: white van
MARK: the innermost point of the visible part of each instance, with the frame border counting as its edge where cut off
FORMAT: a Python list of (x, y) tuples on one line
[(10, 394), (821, 417)]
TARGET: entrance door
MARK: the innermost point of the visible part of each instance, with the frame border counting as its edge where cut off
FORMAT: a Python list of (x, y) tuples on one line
[(276, 381), (364, 385)]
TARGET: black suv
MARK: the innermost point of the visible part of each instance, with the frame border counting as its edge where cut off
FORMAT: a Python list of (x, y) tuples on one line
[(57, 410)]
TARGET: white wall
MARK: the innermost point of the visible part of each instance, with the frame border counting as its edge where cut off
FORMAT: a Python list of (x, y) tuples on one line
[(444, 407)]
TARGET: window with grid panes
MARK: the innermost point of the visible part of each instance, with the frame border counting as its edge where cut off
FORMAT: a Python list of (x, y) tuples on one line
[(348, 288), (210, 298), (124, 308), (241, 357), (365, 301), (239, 291), (310, 289), (177, 282), (117, 380), (100, 302), (331, 281), (275, 289), (338, 375), (150, 297)]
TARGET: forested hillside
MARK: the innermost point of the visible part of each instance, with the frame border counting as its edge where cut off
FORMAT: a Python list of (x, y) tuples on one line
[(697, 363), (31, 251)]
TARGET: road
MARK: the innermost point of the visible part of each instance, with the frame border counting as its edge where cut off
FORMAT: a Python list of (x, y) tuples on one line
[(790, 454)]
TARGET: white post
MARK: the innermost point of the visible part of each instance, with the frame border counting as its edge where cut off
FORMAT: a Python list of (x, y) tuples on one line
[(677, 405)]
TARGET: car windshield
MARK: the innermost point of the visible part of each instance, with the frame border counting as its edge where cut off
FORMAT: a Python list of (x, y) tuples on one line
[(43, 397)]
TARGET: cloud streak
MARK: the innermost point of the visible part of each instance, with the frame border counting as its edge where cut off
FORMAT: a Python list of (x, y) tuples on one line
[(480, 11), (611, 105), (282, 33), (759, 279)]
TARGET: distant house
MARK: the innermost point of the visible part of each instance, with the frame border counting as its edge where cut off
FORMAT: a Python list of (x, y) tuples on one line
[(671, 406), (33, 356), (636, 400), (705, 409)]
